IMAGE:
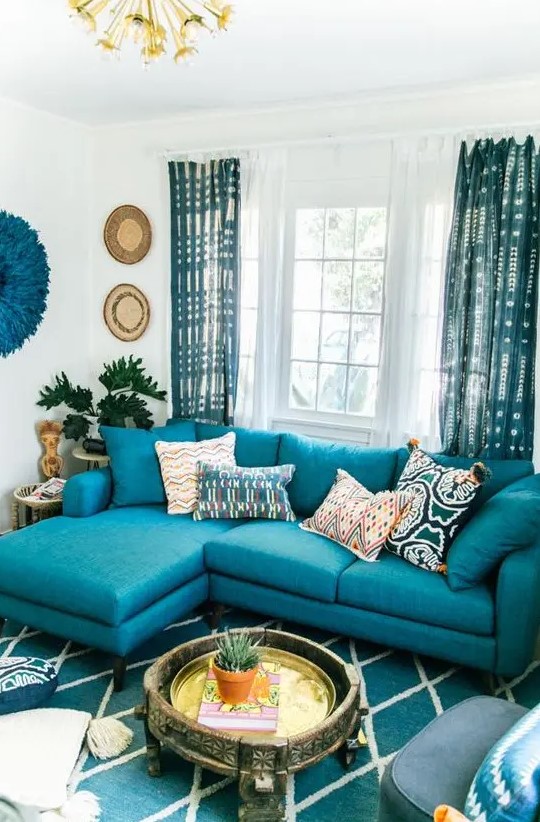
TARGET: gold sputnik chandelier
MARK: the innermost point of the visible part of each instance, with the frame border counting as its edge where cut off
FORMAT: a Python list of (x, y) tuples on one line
[(151, 23)]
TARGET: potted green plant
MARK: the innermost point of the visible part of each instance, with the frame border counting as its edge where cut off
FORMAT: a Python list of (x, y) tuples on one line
[(127, 386), (235, 665)]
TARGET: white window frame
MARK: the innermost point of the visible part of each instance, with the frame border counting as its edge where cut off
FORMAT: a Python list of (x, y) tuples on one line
[(346, 427)]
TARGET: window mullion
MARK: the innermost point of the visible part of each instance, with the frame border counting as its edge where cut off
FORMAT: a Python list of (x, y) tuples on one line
[(320, 314)]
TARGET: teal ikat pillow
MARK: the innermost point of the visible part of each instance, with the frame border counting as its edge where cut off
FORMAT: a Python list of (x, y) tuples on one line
[(506, 787), (232, 492), (440, 499)]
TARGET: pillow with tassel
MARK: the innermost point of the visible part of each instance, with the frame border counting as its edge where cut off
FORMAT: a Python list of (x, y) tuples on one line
[(440, 498)]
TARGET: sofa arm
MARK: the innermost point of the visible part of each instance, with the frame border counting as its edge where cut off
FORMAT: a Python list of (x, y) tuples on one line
[(88, 493), (517, 610)]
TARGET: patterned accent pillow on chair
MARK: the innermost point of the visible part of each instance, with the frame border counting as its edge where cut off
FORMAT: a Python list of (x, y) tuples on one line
[(25, 682), (355, 518), (506, 787), (231, 492), (179, 468), (440, 499)]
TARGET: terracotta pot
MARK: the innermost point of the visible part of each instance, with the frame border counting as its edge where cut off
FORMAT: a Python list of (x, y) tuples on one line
[(234, 687)]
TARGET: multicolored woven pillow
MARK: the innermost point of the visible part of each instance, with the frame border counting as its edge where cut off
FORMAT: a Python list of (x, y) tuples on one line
[(506, 787), (179, 468), (440, 499), (356, 518), (230, 492)]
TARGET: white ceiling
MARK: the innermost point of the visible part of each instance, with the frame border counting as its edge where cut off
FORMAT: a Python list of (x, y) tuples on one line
[(275, 51)]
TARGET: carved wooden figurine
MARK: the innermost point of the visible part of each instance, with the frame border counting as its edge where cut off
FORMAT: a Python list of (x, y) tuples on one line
[(49, 434)]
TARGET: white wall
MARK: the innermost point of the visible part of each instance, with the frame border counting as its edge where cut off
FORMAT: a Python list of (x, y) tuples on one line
[(335, 148), (44, 178)]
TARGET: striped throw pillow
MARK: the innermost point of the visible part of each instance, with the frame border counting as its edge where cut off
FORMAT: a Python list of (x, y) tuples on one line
[(355, 518), (230, 492), (178, 462)]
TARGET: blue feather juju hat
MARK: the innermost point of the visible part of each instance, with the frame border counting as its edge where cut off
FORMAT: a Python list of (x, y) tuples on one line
[(24, 282)]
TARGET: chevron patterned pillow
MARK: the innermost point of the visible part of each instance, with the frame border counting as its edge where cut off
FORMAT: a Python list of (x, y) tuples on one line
[(506, 787), (179, 463), (355, 518)]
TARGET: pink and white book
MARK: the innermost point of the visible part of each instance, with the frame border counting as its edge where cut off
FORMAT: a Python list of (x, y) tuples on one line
[(259, 714)]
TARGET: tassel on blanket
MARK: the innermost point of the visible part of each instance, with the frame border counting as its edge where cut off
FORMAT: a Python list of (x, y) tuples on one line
[(81, 807), (107, 737)]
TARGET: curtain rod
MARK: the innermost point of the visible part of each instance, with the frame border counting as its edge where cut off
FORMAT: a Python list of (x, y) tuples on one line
[(360, 137)]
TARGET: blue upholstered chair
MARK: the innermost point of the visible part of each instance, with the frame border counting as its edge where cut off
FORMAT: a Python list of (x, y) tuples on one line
[(439, 764)]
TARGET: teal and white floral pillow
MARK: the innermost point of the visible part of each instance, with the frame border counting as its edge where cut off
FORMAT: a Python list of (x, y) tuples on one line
[(506, 787), (440, 499)]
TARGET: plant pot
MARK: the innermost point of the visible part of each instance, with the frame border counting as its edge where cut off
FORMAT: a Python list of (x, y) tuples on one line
[(234, 687)]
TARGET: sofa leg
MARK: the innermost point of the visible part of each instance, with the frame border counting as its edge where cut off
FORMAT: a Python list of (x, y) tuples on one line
[(490, 683), (215, 615), (3, 621), (119, 670)]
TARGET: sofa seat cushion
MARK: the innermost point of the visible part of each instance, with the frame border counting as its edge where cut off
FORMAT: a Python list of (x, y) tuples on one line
[(280, 555), (438, 765), (397, 588), (108, 567)]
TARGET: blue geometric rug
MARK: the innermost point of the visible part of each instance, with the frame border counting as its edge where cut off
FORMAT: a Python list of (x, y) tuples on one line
[(403, 691)]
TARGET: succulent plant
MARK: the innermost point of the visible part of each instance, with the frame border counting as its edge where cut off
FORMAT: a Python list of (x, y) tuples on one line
[(237, 652)]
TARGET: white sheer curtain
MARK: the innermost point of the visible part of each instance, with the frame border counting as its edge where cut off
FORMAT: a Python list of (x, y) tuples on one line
[(263, 220), (420, 207)]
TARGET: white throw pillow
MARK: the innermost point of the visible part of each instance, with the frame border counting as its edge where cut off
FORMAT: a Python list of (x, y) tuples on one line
[(38, 752), (178, 462)]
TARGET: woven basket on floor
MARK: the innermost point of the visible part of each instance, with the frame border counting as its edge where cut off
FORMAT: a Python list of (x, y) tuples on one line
[(22, 493)]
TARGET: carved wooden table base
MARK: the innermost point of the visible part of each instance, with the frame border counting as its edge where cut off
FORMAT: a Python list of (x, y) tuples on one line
[(261, 764)]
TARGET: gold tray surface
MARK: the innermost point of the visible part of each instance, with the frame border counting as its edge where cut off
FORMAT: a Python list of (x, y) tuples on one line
[(307, 694)]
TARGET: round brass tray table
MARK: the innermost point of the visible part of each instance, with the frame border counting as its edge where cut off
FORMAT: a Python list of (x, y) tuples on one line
[(320, 713)]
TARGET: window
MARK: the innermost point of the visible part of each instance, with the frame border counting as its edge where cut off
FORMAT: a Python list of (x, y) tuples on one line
[(336, 312)]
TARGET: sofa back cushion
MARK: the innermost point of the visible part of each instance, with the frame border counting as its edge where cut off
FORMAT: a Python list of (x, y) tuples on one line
[(317, 462), (134, 462), (503, 472), (254, 448), (508, 521)]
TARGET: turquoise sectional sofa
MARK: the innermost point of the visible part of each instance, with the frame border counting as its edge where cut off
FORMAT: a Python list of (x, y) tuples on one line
[(112, 577)]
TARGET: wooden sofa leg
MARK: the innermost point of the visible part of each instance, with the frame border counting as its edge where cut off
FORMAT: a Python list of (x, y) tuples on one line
[(490, 683), (215, 615), (119, 671)]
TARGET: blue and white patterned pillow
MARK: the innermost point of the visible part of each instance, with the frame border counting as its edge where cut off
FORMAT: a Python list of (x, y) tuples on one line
[(231, 492), (25, 683), (506, 787)]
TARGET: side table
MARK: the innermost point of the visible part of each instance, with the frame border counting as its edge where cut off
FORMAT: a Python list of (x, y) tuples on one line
[(34, 511), (92, 460)]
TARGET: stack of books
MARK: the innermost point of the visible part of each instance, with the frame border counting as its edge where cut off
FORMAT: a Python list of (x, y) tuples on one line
[(259, 714)]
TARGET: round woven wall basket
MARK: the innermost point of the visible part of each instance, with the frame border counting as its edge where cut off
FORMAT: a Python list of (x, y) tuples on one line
[(126, 312), (128, 234)]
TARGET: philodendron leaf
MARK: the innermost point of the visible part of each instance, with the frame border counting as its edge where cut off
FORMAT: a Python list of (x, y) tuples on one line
[(76, 426), (63, 391), (115, 409), (130, 374)]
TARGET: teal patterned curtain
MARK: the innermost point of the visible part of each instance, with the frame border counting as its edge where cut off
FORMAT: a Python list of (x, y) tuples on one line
[(489, 327), (205, 288)]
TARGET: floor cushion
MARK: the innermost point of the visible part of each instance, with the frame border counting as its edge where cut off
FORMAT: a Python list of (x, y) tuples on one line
[(317, 463), (397, 588), (438, 765), (38, 753), (108, 567), (280, 555), (25, 683)]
